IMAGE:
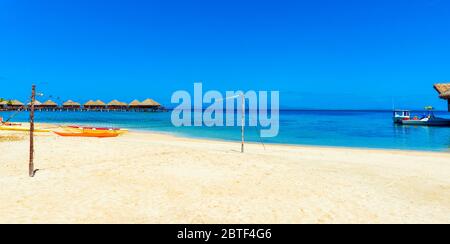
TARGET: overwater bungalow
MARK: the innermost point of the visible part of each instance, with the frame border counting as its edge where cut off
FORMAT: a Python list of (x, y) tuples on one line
[(3, 105), (37, 105), (95, 105), (15, 105), (444, 92), (89, 104), (71, 105), (49, 105), (149, 104), (134, 105), (100, 105), (116, 105)]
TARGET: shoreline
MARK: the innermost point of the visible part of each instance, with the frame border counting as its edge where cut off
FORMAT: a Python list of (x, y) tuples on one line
[(300, 146), (178, 135)]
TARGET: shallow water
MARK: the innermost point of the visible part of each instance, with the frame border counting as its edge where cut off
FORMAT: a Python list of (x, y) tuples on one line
[(367, 129)]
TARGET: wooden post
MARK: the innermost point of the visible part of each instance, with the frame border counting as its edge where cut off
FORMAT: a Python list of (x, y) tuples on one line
[(243, 123), (33, 99)]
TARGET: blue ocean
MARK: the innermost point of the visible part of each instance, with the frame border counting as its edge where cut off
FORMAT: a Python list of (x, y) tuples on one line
[(364, 129)]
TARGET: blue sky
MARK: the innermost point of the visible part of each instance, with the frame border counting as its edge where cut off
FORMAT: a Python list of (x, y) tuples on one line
[(318, 54)]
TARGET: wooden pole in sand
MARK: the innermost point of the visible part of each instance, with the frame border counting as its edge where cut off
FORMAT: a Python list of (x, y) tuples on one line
[(243, 123), (33, 99)]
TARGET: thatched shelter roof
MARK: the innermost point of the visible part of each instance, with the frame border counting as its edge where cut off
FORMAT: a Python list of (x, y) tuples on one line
[(89, 103), (4, 102), (15, 103), (135, 103), (36, 103), (150, 102), (116, 103), (443, 89), (71, 103), (446, 95), (50, 103), (100, 103), (92, 103)]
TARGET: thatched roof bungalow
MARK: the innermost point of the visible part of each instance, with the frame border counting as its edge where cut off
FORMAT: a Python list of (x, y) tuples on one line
[(115, 104), (71, 105), (14, 104), (444, 92), (134, 104), (100, 103), (95, 105), (37, 104), (3, 104), (89, 104), (49, 104), (150, 103)]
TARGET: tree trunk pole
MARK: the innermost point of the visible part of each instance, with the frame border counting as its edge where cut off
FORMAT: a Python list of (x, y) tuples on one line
[(33, 99), (243, 123)]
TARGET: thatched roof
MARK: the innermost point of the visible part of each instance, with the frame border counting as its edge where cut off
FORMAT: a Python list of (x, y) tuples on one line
[(36, 103), (446, 95), (89, 103), (50, 103), (100, 103), (4, 102), (92, 103), (71, 103), (135, 103), (117, 103), (15, 103), (443, 89), (150, 102)]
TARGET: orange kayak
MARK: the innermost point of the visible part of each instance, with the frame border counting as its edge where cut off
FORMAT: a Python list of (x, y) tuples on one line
[(94, 129), (87, 134)]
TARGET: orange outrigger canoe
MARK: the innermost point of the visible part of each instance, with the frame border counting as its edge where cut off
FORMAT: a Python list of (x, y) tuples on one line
[(87, 134), (74, 128)]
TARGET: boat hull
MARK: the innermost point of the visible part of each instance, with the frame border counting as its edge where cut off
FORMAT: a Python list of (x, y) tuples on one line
[(87, 134), (427, 123)]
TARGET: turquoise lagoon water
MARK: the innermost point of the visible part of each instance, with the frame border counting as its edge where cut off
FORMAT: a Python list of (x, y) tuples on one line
[(367, 129)]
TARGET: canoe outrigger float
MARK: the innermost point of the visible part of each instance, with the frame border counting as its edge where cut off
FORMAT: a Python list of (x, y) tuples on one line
[(404, 117)]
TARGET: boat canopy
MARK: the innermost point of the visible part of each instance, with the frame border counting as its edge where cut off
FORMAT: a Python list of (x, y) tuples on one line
[(402, 112)]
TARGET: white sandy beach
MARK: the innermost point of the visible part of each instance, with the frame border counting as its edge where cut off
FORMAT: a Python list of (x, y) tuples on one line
[(154, 178)]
